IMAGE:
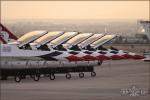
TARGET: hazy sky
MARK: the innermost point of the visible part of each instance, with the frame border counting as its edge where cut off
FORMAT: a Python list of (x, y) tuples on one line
[(75, 9)]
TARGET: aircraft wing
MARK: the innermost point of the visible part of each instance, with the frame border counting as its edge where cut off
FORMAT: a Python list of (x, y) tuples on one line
[(102, 41)]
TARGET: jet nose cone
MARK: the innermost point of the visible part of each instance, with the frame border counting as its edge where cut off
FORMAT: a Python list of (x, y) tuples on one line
[(127, 56), (117, 57), (102, 57), (74, 58), (138, 57), (89, 58)]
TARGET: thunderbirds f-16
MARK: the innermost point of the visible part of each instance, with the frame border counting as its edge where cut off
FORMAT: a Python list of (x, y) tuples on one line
[(49, 53)]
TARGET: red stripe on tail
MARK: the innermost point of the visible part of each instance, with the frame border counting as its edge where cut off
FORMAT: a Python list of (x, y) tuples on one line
[(1, 39)]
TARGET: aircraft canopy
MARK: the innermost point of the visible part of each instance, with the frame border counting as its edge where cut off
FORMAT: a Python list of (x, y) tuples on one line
[(77, 39), (30, 36), (90, 40), (102, 41), (62, 38), (48, 37)]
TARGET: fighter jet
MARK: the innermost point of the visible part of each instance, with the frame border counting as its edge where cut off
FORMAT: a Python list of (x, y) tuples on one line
[(21, 57), (50, 53)]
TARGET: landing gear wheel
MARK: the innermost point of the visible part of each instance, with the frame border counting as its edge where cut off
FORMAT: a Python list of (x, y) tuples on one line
[(81, 75), (68, 76), (52, 76), (93, 74), (17, 78), (36, 77)]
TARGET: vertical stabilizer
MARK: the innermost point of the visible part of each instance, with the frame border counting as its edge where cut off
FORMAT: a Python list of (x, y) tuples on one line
[(6, 35)]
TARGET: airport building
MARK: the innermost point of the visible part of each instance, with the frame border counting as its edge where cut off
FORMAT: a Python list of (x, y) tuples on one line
[(145, 27)]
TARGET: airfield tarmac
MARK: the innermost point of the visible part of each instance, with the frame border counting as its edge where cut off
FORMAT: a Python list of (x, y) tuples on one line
[(112, 77)]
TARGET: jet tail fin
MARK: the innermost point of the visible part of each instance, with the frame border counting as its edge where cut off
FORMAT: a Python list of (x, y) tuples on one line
[(6, 35)]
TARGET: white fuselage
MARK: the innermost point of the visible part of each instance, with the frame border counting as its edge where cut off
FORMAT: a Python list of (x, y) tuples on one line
[(13, 57)]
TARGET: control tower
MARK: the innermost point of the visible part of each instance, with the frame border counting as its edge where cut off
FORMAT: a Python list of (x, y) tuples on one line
[(145, 26)]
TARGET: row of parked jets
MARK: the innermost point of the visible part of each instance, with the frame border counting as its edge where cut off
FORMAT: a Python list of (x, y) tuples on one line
[(48, 53)]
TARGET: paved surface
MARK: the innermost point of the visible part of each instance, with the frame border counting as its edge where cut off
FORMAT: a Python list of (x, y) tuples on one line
[(111, 78)]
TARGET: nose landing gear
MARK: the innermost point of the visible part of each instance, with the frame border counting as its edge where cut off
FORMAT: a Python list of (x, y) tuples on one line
[(36, 77), (93, 74), (68, 76), (52, 76), (81, 75), (18, 77)]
